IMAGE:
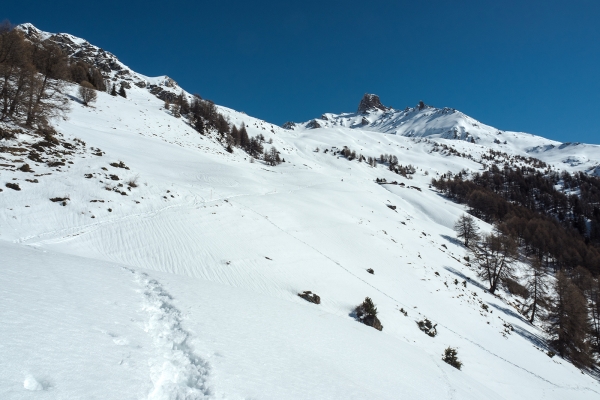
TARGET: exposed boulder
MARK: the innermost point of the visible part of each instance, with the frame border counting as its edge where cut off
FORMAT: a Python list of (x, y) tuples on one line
[(370, 102), (373, 321), (310, 297), (169, 82)]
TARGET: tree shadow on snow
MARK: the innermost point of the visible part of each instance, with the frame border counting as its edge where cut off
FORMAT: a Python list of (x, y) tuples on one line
[(510, 312), (75, 99), (453, 240), (466, 278), (537, 340)]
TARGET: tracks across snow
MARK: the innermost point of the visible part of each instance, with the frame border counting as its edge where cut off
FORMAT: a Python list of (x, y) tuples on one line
[(176, 372)]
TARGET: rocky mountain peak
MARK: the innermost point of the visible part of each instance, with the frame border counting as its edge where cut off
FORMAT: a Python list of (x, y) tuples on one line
[(369, 102), (113, 70)]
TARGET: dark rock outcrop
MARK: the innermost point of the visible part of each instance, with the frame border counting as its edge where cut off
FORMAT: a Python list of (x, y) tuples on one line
[(313, 124), (370, 102), (373, 321), (289, 125), (310, 297), (162, 94)]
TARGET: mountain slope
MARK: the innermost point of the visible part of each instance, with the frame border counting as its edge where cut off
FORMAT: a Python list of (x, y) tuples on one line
[(447, 125), (186, 284)]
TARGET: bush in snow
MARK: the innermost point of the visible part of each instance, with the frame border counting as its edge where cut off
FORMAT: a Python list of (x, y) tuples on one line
[(451, 357), (367, 314)]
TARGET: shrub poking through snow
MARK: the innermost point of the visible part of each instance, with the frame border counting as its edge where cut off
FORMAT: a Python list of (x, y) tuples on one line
[(367, 314), (133, 182), (13, 186), (427, 327), (310, 297), (370, 270), (451, 357)]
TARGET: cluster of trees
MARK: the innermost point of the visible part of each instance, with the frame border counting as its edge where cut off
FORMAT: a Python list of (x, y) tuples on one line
[(31, 79), (553, 221), (571, 304), (204, 116), (389, 159), (495, 156), (79, 72), (546, 222), (113, 90)]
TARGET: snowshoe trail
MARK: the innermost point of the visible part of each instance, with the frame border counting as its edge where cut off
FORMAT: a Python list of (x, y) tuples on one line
[(176, 372)]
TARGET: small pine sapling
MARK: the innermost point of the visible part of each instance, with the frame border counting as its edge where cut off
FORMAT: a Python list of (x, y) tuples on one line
[(367, 314), (451, 357)]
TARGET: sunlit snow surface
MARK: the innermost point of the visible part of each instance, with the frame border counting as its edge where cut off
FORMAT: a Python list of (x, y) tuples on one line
[(187, 288)]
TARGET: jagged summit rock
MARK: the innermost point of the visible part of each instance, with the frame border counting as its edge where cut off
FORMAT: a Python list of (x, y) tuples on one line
[(313, 124), (369, 102), (289, 125)]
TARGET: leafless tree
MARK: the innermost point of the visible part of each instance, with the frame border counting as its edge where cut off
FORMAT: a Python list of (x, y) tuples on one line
[(87, 92), (494, 257), (467, 229)]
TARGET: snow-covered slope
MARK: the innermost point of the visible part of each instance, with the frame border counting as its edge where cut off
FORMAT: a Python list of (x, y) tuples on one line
[(185, 284)]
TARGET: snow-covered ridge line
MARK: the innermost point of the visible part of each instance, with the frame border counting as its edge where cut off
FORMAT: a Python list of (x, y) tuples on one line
[(449, 124)]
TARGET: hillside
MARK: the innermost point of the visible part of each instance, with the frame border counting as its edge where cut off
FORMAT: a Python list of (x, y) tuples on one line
[(184, 284)]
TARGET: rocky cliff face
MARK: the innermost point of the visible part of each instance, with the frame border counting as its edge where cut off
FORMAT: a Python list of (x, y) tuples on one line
[(370, 102)]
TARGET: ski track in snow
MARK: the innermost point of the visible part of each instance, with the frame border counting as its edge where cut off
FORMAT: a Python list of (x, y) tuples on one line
[(176, 372)]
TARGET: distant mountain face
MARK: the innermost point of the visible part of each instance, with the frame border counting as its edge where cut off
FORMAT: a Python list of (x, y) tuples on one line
[(424, 121)]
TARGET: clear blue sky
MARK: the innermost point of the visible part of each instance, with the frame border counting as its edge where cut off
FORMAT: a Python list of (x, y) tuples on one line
[(530, 66)]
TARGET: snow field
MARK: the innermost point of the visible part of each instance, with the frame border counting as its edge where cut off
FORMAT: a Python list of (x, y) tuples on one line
[(187, 287)]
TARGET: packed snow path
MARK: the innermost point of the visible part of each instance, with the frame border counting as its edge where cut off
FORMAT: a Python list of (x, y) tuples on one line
[(176, 372)]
